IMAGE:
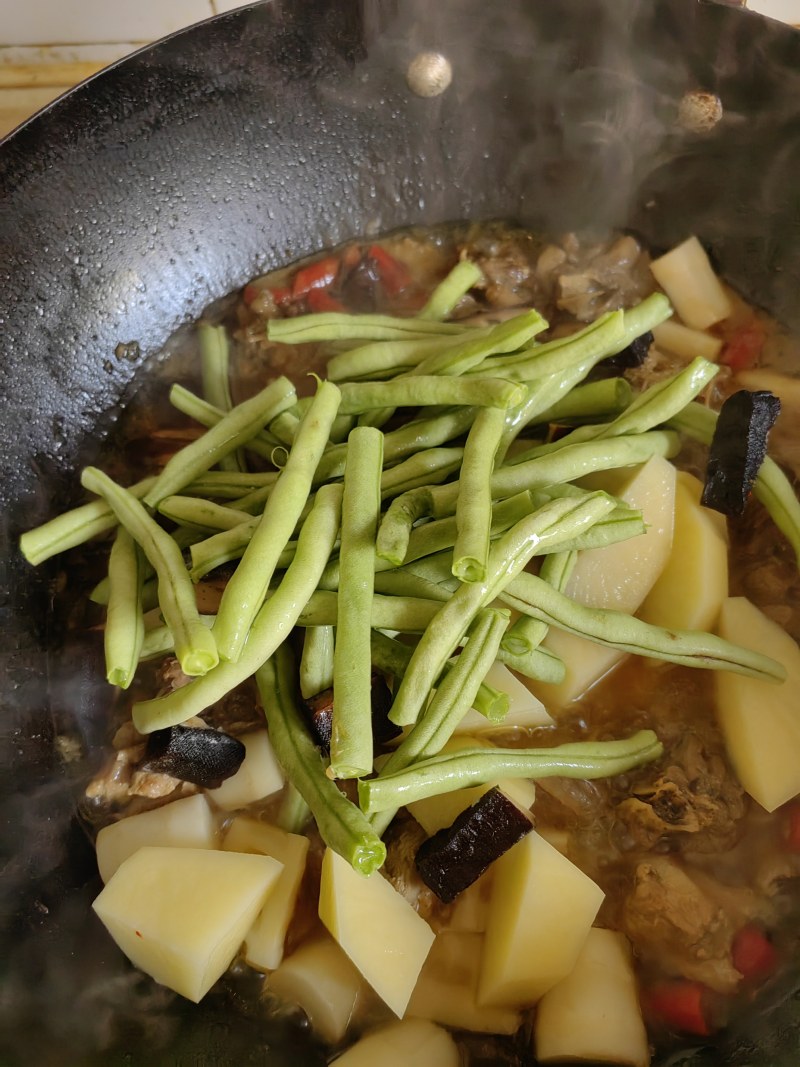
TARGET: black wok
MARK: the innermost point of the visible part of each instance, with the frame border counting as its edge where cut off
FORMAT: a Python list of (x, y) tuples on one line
[(231, 148)]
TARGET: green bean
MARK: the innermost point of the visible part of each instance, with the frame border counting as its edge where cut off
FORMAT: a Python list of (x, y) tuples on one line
[(772, 488), (455, 692), (423, 468), (293, 813), (215, 372), (233, 430), (504, 337), (565, 465), (387, 357), (393, 658), (528, 633), (416, 436), (403, 583), (474, 504), (124, 629), (244, 593), (427, 391), (589, 345), (338, 326), (341, 427), (559, 520), (272, 624), (542, 394), (464, 276), (647, 314), (401, 613), (202, 514), (231, 485), (540, 664), (158, 640), (453, 698), (74, 527), (208, 415), (477, 766), (351, 728), (194, 645), (395, 528), (285, 428), (615, 629), (608, 396), (340, 823), (221, 548), (651, 408), (316, 661)]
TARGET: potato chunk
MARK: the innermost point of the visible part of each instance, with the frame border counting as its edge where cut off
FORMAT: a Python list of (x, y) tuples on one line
[(760, 721), (378, 929), (593, 1014), (413, 1041), (540, 913), (320, 979), (259, 776), (180, 914), (186, 823), (618, 577), (690, 590), (263, 948)]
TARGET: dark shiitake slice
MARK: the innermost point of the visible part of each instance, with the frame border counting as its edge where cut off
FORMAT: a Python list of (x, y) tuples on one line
[(193, 754), (455, 857)]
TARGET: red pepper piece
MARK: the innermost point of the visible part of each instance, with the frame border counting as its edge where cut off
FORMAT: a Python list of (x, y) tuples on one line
[(679, 1006), (744, 348), (317, 275), (392, 274), (281, 295), (791, 827), (250, 292), (321, 300), (753, 954)]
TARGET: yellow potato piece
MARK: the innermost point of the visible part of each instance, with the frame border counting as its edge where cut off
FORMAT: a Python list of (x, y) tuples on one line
[(185, 823), (619, 576), (671, 336), (180, 914), (378, 929), (259, 776), (593, 1014), (691, 588), (263, 948), (760, 721), (411, 1043), (540, 913), (524, 709), (447, 989), (320, 979), (687, 277)]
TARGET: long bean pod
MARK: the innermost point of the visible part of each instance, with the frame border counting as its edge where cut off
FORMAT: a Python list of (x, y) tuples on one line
[(463, 277), (561, 519), (232, 431), (531, 595), (428, 391), (272, 624), (316, 661), (474, 504), (339, 326), (380, 358), (477, 766), (245, 592), (340, 823), (124, 629), (74, 527), (202, 514), (527, 633), (215, 373), (351, 728), (194, 645), (208, 415)]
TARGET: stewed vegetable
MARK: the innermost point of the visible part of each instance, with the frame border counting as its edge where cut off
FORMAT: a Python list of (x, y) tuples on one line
[(456, 495)]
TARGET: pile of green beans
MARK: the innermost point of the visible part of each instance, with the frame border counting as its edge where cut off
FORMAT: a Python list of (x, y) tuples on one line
[(354, 534)]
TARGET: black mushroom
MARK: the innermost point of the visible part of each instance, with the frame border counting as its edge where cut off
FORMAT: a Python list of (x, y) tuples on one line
[(738, 449), (194, 754)]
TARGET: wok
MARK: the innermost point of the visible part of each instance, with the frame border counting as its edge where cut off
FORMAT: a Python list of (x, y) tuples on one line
[(241, 144)]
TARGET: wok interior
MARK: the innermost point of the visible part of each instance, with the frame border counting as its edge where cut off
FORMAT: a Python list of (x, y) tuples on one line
[(251, 141)]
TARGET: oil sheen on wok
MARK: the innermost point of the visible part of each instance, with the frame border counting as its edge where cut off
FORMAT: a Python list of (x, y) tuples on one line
[(598, 908)]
